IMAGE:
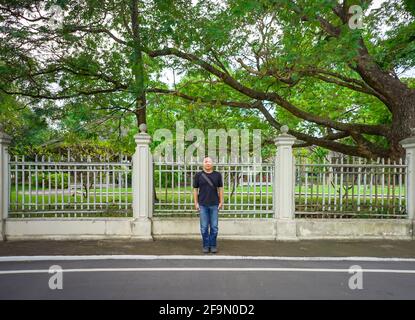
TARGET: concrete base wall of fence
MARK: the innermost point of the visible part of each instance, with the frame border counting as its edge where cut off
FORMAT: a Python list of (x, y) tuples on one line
[(67, 229), (188, 228), (354, 229), (250, 229), (2, 236), (287, 230)]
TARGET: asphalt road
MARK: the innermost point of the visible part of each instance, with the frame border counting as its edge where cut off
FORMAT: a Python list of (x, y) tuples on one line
[(207, 277)]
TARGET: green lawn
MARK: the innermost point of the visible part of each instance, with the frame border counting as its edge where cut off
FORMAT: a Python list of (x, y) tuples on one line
[(244, 202)]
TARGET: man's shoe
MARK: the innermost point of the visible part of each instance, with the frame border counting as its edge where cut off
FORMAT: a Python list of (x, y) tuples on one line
[(213, 250), (205, 249)]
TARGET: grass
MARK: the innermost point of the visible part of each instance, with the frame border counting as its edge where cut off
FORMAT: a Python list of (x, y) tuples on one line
[(244, 203)]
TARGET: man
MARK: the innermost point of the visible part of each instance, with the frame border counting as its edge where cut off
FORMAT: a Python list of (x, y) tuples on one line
[(208, 199)]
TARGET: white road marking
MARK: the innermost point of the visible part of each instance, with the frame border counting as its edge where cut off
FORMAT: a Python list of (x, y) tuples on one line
[(194, 257), (7, 272)]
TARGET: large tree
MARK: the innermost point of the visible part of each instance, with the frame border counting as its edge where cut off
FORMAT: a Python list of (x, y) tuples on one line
[(291, 61), (275, 54), (86, 52)]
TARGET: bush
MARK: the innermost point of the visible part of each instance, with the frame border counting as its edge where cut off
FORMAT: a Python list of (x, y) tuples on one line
[(55, 179)]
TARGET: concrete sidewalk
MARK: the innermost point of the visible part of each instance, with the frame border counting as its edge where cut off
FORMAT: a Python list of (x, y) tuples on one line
[(313, 248)]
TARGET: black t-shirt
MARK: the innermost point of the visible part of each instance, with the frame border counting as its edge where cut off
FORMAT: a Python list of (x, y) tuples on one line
[(208, 196)]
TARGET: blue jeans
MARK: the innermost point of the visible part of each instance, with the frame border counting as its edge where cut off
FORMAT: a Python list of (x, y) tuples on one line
[(209, 215)]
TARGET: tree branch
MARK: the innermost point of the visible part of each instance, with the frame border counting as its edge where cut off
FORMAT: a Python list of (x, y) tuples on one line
[(95, 30), (60, 97), (238, 104), (327, 141), (271, 96)]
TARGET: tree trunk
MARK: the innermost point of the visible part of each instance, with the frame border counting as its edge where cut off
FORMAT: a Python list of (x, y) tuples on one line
[(140, 112), (396, 95), (138, 66), (403, 120)]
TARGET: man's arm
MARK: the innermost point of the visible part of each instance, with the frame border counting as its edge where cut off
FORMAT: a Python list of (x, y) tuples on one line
[(220, 191), (196, 191), (220, 198), (196, 198)]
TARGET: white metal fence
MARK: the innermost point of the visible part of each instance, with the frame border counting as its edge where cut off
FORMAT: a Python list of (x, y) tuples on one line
[(247, 189), (45, 187), (340, 188), (350, 188)]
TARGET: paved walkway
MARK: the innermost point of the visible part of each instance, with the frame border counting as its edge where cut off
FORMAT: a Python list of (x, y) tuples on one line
[(315, 248)]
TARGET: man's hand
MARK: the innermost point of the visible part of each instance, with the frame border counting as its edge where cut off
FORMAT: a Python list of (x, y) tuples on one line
[(197, 207), (220, 198)]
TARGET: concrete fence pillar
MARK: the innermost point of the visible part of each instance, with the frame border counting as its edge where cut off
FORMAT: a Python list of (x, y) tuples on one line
[(285, 223), (4, 181), (142, 185), (409, 145)]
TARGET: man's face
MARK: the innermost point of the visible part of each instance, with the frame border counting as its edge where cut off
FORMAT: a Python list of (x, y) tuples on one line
[(207, 164)]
